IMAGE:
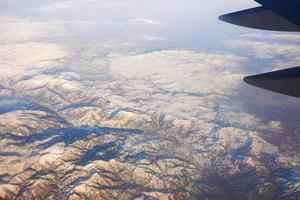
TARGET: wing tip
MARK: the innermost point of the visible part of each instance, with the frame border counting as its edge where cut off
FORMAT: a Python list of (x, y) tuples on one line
[(255, 80), (228, 18), (250, 79), (222, 18)]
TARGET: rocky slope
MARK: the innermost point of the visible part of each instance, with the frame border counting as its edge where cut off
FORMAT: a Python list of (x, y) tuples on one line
[(138, 134)]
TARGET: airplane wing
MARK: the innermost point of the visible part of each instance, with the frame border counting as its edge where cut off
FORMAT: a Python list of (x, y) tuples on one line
[(275, 15), (260, 18), (285, 81)]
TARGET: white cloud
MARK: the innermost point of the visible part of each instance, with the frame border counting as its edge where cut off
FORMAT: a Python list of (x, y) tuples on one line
[(66, 5), (144, 22), (266, 50), (17, 60), (17, 30), (21, 30), (151, 38), (275, 37)]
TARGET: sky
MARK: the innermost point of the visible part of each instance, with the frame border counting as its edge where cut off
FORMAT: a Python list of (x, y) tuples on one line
[(185, 23)]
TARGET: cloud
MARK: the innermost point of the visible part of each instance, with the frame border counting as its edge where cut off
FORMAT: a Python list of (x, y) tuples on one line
[(65, 5), (266, 50), (17, 60), (18, 30), (144, 22), (278, 49), (21, 29), (275, 37), (71, 4), (151, 38)]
